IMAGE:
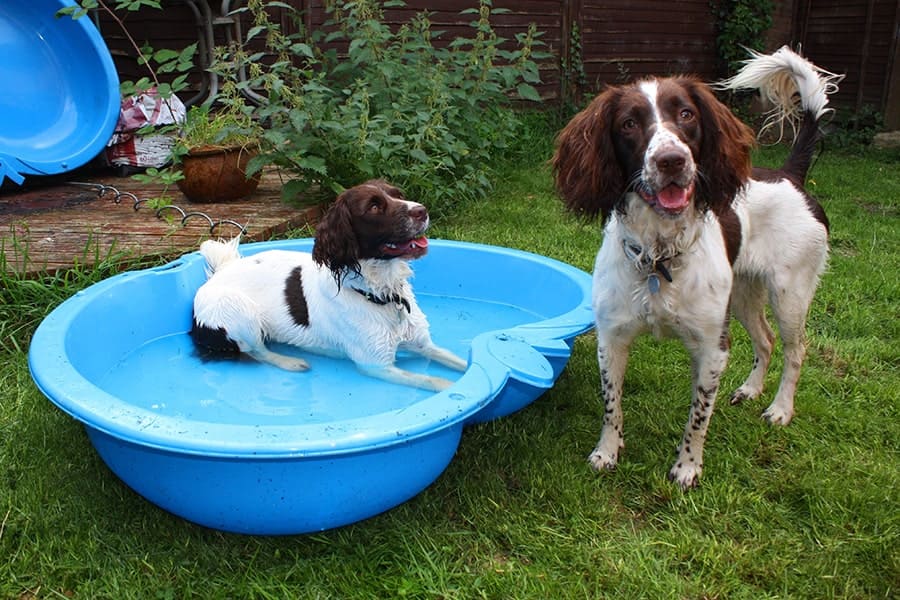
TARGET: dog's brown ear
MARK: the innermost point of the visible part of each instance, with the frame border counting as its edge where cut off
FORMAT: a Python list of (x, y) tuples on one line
[(724, 160), (587, 173), (336, 247)]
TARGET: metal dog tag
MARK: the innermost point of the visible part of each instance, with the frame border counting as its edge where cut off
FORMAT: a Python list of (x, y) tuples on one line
[(653, 283)]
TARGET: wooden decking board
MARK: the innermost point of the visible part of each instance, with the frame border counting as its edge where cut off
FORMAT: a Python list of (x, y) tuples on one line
[(48, 228)]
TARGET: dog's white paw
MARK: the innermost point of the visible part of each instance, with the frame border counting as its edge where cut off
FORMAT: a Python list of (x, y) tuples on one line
[(743, 393), (685, 475), (602, 460), (777, 415), (288, 363), (291, 364)]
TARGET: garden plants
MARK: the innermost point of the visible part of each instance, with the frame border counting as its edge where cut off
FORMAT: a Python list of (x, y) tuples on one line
[(356, 100), (212, 152)]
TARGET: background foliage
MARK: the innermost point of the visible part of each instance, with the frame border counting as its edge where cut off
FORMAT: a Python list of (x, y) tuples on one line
[(741, 24), (356, 100)]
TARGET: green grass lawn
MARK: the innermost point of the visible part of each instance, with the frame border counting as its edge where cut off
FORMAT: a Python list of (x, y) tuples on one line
[(807, 511)]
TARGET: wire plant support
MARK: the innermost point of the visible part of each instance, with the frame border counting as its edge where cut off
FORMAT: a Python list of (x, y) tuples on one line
[(184, 216)]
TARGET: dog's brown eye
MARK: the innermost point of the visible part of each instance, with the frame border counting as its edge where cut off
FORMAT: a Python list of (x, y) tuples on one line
[(686, 114), (629, 124), (375, 204)]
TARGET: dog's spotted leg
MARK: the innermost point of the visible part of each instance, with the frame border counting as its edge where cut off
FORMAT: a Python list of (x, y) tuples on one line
[(709, 361), (612, 360)]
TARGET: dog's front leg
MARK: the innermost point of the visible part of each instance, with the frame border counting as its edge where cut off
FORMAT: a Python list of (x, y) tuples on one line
[(708, 361), (612, 357)]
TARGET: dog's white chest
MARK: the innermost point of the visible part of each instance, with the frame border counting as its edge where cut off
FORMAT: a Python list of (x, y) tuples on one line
[(657, 302), (661, 284)]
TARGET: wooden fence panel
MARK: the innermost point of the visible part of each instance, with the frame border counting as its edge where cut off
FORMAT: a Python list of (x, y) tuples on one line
[(623, 41), (857, 38), (614, 40)]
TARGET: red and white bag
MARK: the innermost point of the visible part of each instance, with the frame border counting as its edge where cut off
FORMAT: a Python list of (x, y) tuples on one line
[(127, 148)]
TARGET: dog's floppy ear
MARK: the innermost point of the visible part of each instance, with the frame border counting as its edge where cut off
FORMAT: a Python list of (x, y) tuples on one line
[(336, 247), (724, 160), (588, 176)]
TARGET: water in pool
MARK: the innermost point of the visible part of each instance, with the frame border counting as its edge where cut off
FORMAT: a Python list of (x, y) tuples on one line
[(237, 391)]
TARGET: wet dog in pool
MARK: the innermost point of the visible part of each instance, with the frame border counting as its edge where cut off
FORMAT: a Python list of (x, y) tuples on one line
[(350, 298)]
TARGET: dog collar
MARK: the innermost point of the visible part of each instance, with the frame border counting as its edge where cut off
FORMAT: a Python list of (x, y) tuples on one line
[(397, 299), (652, 266)]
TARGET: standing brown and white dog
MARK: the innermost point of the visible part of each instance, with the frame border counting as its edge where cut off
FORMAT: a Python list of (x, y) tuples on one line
[(350, 298), (692, 229)]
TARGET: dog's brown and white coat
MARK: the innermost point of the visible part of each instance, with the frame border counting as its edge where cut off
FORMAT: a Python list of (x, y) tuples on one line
[(693, 230), (350, 298)]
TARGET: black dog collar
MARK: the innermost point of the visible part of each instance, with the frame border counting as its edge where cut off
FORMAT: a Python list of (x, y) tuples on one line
[(381, 301)]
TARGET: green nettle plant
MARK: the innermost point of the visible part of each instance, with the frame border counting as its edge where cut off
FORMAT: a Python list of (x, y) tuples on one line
[(741, 24), (393, 104), (854, 128), (177, 64)]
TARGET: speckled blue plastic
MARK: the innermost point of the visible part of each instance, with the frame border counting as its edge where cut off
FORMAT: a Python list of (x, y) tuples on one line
[(60, 100), (245, 447)]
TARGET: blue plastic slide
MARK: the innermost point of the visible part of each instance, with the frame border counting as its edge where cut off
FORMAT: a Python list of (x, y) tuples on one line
[(60, 98)]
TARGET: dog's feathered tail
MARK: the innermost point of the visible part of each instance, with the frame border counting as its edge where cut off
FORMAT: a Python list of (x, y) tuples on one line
[(218, 253), (798, 91)]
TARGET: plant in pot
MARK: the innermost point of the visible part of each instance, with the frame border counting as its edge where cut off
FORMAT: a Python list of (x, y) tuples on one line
[(211, 148), (212, 151)]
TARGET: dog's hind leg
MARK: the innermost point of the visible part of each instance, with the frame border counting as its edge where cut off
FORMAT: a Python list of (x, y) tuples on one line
[(791, 291), (282, 361), (238, 316), (253, 344), (748, 302), (790, 308)]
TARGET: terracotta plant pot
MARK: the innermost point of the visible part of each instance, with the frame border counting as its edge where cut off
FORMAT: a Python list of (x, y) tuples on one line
[(216, 174)]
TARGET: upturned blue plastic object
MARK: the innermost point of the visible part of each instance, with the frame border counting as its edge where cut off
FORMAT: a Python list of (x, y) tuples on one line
[(246, 447), (60, 100)]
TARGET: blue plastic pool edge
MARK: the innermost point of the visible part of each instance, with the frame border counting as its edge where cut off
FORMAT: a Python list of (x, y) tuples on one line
[(473, 392)]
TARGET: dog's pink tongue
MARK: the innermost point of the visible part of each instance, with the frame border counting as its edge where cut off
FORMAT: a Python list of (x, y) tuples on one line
[(419, 242), (414, 246), (673, 197)]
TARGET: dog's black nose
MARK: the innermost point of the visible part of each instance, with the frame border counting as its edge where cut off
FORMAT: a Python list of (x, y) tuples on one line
[(671, 162), (418, 212)]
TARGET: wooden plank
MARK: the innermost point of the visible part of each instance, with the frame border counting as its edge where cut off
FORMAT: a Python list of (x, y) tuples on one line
[(56, 227)]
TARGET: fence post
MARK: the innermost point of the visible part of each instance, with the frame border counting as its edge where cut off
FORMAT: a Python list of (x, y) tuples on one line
[(570, 19)]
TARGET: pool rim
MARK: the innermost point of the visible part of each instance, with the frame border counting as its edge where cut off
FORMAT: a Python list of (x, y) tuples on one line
[(84, 401)]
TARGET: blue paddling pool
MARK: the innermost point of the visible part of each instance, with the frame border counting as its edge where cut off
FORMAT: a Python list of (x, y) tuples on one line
[(60, 99), (243, 446)]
